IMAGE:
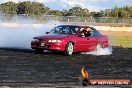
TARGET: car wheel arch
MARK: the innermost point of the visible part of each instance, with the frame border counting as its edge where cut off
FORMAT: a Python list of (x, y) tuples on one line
[(71, 42), (100, 44)]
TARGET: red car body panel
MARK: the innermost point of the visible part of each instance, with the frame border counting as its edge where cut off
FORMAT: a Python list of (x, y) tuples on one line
[(81, 44)]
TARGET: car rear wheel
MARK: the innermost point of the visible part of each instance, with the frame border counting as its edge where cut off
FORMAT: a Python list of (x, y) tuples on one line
[(39, 51), (69, 48), (99, 46)]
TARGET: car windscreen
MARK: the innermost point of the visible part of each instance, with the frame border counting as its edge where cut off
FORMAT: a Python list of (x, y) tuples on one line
[(95, 33), (71, 30)]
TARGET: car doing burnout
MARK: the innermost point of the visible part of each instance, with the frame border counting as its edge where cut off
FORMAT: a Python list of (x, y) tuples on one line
[(69, 39)]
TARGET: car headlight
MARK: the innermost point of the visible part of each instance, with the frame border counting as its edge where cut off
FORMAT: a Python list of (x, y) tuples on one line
[(55, 41)]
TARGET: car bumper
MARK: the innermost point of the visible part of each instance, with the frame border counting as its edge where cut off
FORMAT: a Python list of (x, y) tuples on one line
[(48, 46)]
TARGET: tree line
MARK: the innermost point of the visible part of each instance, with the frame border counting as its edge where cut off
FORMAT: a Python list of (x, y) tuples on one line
[(39, 9)]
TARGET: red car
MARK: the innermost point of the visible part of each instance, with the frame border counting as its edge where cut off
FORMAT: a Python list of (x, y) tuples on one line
[(69, 39)]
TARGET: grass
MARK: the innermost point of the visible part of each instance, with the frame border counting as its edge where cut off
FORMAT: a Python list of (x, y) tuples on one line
[(122, 41)]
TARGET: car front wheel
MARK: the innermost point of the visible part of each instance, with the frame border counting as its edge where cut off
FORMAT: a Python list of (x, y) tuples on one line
[(69, 48)]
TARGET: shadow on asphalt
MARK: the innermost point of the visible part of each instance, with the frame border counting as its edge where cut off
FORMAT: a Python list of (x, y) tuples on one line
[(17, 50), (31, 51)]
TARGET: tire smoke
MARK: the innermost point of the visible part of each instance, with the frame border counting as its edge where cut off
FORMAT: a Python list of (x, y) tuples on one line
[(20, 35), (100, 51)]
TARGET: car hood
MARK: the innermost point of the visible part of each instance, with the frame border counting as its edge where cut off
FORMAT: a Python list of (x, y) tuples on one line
[(53, 36)]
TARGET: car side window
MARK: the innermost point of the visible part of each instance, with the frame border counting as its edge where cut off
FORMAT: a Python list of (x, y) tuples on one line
[(65, 31), (74, 30)]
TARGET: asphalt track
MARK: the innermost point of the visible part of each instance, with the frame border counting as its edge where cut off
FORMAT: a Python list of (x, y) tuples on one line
[(22, 68)]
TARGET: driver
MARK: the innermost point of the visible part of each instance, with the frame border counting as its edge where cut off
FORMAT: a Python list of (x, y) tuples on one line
[(87, 32), (82, 32)]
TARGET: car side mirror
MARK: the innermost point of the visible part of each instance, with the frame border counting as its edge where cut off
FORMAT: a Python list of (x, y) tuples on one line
[(47, 32)]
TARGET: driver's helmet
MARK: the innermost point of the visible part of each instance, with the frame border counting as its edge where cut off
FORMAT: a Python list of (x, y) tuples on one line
[(85, 29)]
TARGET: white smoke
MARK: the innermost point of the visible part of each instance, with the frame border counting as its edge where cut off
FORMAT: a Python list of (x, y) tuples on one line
[(100, 51), (20, 35)]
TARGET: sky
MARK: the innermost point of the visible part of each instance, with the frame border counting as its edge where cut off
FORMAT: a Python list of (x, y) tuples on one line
[(92, 5)]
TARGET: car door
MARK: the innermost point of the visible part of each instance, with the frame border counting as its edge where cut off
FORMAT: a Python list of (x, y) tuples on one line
[(92, 40), (81, 42)]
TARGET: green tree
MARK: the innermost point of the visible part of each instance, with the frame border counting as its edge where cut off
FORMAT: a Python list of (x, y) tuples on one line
[(120, 12), (38, 9), (127, 11), (31, 8), (55, 12), (78, 11), (96, 14), (65, 13), (23, 7), (9, 8)]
